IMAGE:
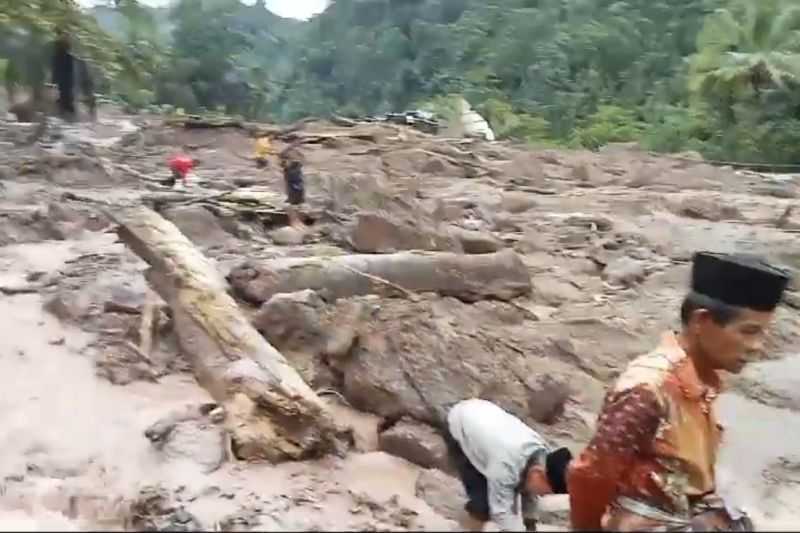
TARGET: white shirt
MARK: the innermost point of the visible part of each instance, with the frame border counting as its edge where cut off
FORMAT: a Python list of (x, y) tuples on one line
[(499, 445)]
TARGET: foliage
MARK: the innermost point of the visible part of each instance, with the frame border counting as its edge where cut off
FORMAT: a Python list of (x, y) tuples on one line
[(718, 76), (27, 27), (609, 124)]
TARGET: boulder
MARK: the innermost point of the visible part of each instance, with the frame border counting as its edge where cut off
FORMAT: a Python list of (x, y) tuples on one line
[(706, 208), (417, 359), (384, 233), (550, 290), (287, 236), (477, 242), (192, 434), (546, 398), (293, 324), (625, 272), (198, 224), (443, 493), (416, 442)]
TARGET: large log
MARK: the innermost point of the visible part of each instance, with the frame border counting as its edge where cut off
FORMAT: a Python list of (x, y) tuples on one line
[(501, 275), (271, 413)]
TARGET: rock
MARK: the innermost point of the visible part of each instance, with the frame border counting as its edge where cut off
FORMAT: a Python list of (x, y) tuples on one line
[(384, 233), (443, 493), (291, 320), (191, 435), (590, 221), (292, 323), (198, 224), (777, 190), (550, 290), (625, 272), (477, 242), (546, 398), (415, 442), (515, 202), (705, 208), (287, 236), (68, 222), (417, 161), (417, 359)]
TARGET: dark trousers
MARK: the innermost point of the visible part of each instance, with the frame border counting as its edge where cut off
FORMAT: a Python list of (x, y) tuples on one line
[(295, 186), (66, 99), (475, 483)]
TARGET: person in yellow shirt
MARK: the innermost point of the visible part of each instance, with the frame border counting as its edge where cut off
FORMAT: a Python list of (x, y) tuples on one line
[(263, 151)]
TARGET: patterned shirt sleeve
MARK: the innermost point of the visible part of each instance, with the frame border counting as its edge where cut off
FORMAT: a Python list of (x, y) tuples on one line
[(627, 424)]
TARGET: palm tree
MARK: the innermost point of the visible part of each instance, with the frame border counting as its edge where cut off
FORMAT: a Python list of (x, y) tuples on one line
[(750, 45)]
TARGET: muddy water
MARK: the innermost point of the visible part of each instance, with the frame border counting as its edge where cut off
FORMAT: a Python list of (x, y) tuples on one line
[(760, 462), (74, 450)]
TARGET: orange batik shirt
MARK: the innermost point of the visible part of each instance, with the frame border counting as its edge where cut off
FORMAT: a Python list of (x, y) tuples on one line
[(656, 443)]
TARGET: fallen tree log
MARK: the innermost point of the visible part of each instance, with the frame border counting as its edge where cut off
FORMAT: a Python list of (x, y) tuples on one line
[(271, 413), (501, 275)]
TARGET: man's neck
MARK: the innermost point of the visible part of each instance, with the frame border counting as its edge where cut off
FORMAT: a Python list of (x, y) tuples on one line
[(696, 354)]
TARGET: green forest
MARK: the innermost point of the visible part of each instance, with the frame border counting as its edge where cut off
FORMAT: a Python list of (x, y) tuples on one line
[(719, 77)]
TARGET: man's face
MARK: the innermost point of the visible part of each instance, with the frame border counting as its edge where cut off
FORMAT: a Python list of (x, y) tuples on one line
[(732, 346), (536, 481)]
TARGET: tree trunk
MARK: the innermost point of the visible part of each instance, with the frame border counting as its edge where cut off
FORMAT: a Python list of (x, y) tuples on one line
[(501, 275), (271, 413)]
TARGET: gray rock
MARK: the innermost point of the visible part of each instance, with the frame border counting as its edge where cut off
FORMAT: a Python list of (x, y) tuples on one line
[(553, 291), (198, 224), (443, 493), (477, 242), (546, 398), (415, 442), (625, 272), (384, 233), (287, 236)]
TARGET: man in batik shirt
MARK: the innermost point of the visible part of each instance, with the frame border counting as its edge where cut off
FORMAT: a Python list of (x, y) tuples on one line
[(651, 463)]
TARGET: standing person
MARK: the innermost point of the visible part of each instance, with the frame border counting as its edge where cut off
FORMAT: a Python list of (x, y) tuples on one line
[(292, 165), (63, 72), (86, 84), (651, 463), (503, 463), (263, 150)]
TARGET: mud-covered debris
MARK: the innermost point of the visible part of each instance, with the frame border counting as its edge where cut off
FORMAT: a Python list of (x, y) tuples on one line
[(416, 442), (245, 519), (154, 510)]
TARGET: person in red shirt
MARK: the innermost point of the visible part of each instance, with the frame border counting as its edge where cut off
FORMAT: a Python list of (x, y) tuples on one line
[(651, 463), (180, 165)]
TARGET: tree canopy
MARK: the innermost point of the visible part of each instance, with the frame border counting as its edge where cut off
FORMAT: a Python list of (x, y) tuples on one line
[(717, 76)]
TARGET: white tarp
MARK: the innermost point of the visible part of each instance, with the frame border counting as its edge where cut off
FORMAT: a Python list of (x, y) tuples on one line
[(473, 124)]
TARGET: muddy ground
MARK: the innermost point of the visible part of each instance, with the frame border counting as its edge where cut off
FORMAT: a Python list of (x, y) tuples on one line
[(605, 237)]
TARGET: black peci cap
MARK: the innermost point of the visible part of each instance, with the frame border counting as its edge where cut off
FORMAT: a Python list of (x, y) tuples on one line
[(556, 467), (738, 280)]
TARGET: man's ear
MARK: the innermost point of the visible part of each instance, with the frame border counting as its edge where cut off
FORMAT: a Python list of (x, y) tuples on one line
[(699, 318)]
